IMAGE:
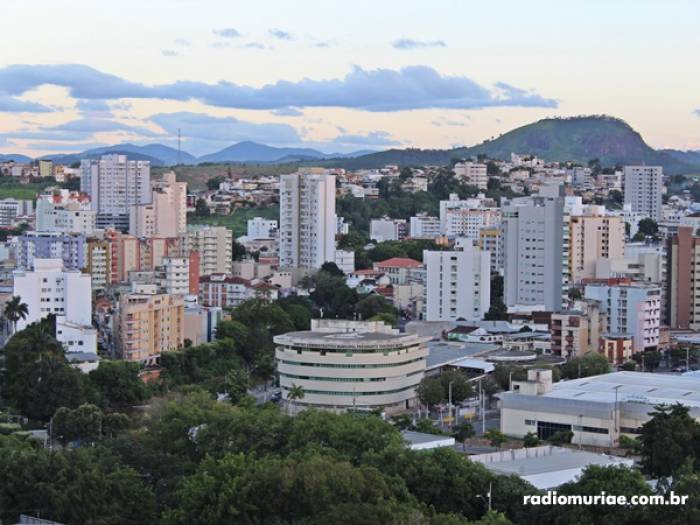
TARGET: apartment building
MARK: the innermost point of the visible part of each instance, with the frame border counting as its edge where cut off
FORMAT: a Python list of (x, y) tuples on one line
[(260, 228), (307, 219), (536, 250), (491, 240), (400, 270), (149, 324), (457, 284), (11, 210), (115, 184), (592, 237), (68, 247), (224, 291), (65, 211), (213, 243), (50, 288), (632, 309), (644, 187), (166, 214), (683, 280), (473, 174), (424, 227)]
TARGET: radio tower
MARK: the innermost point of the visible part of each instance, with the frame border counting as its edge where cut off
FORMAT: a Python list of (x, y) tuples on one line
[(179, 160)]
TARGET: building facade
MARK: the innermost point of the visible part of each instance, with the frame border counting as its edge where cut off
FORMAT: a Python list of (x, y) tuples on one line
[(644, 187), (457, 284), (536, 251), (213, 243), (149, 324), (115, 184), (683, 280), (592, 237), (307, 219), (351, 365)]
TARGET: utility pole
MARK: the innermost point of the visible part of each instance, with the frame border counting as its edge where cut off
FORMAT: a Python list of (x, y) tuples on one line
[(687, 358), (449, 402)]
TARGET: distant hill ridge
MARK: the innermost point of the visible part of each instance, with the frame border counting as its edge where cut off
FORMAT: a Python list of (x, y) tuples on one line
[(578, 139)]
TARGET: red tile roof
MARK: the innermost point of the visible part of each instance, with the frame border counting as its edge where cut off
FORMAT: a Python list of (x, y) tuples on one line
[(398, 262)]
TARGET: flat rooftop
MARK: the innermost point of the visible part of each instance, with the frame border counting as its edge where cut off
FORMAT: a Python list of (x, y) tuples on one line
[(443, 353), (631, 386), (416, 438), (543, 460)]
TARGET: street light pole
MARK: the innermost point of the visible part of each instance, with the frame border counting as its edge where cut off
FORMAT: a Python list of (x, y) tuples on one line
[(449, 402)]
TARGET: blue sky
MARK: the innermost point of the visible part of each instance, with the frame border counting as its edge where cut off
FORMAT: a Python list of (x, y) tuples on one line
[(339, 75)]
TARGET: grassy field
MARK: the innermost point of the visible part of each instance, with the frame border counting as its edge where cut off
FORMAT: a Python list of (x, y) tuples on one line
[(238, 220), (16, 190)]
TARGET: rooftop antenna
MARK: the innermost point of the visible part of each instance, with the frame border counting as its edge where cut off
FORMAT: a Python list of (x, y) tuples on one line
[(179, 160)]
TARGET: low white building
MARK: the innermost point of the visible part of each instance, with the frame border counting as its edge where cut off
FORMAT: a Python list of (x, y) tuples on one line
[(345, 261), (388, 229), (61, 210), (260, 228), (546, 467)]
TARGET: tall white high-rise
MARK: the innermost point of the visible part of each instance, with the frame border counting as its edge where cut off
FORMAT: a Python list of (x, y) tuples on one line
[(307, 218), (457, 284), (643, 189), (536, 241), (115, 184)]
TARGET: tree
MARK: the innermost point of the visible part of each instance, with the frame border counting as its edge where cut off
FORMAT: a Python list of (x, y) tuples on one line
[(503, 374), (84, 423), (590, 364), (15, 310), (464, 432), (213, 182), (118, 383), (497, 310), (618, 480), (461, 388), (86, 485), (430, 391), (495, 437), (238, 251), (332, 269), (629, 366), (668, 439), (649, 358), (236, 385), (648, 227), (234, 330), (530, 440), (201, 208), (562, 437), (374, 304), (295, 393)]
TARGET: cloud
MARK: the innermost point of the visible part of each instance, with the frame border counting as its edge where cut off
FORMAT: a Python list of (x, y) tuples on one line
[(227, 32), (79, 130), (182, 42), (219, 45), (321, 44), (408, 43), (94, 108), (169, 53), (69, 147), (373, 138), (697, 112), (280, 34), (14, 105), (224, 129), (254, 45), (287, 112), (413, 87)]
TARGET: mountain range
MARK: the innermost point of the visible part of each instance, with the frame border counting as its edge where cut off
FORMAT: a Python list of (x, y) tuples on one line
[(577, 139), (161, 155)]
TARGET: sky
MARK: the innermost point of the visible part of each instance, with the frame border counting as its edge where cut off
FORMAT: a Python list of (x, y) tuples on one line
[(340, 75)]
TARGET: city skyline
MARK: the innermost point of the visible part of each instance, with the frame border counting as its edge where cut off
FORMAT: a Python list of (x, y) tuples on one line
[(301, 76)]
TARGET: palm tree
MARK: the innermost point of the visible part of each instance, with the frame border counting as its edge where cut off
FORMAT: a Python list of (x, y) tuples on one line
[(295, 392), (15, 310)]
